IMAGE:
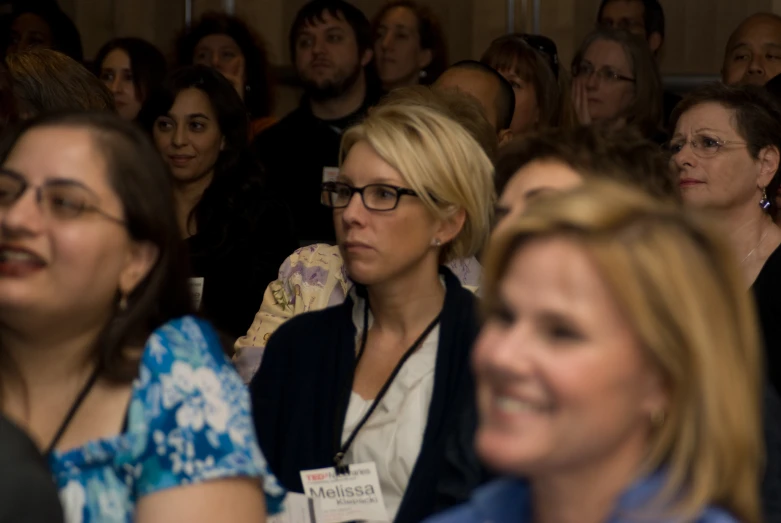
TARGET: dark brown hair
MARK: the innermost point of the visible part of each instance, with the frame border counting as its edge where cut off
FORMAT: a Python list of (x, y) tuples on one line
[(430, 33), (140, 178), (593, 151), (147, 63), (757, 119), (9, 112), (48, 81), (513, 53), (645, 112)]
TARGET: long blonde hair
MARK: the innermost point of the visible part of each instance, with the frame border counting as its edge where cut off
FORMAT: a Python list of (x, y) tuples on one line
[(681, 290), (439, 160)]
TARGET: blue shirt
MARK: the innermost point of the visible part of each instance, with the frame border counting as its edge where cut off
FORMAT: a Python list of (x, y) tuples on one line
[(189, 421), (509, 501)]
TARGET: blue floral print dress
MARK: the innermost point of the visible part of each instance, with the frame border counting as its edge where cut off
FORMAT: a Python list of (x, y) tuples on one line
[(189, 421)]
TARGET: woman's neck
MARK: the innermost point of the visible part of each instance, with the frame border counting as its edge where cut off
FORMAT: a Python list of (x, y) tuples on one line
[(406, 304), (753, 237), (39, 360), (186, 197), (590, 493)]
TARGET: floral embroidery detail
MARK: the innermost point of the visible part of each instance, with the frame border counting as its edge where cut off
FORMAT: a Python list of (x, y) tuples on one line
[(189, 421)]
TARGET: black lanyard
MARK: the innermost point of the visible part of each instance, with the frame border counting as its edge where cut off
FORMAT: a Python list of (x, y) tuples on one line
[(342, 449), (72, 411)]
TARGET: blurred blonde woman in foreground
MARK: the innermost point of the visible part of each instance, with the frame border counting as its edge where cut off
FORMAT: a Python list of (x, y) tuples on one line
[(618, 370)]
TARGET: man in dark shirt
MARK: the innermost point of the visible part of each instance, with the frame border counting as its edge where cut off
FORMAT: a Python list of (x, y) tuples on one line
[(330, 45), (644, 18), (753, 53)]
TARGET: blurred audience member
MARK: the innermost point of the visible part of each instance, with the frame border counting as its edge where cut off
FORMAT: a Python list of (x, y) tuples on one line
[(753, 53), (559, 159), (414, 192), (612, 324), (409, 44), (487, 86), (132, 69), (294, 293), (95, 322), (27, 492), (331, 47), (44, 26), (227, 44), (537, 94), (616, 80), (49, 81), (645, 18), (237, 234)]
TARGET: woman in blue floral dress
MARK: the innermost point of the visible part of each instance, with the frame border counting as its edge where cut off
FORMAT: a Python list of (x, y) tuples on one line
[(132, 400)]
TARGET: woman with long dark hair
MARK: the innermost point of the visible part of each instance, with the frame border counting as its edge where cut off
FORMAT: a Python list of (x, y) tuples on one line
[(132, 69), (129, 397), (236, 234)]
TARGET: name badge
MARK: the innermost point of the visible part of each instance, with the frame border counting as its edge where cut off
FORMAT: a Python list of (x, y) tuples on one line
[(330, 174), (196, 291), (352, 496)]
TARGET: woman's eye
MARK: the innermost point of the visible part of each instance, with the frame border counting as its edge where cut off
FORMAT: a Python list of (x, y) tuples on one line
[(107, 77), (709, 142), (163, 125), (197, 126)]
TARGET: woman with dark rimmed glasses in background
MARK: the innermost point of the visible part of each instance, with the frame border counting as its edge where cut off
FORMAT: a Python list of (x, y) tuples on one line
[(383, 377)]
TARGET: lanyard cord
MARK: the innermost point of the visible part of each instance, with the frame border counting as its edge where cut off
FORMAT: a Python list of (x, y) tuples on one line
[(72, 411), (339, 456)]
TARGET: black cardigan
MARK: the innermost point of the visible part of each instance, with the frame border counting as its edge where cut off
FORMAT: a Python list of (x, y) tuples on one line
[(301, 393)]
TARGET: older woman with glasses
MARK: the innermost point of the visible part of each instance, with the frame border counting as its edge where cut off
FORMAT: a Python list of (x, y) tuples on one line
[(616, 80), (383, 377), (726, 151)]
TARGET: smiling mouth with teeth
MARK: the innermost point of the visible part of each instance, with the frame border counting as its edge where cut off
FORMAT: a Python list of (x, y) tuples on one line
[(14, 256), (512, 405)]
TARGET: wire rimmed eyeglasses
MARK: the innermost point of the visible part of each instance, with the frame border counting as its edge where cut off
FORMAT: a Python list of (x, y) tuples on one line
[(61, 199)]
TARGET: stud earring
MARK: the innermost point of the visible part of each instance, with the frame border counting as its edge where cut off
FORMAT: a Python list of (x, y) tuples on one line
[(764, 203), (123, 302), (436, 242)]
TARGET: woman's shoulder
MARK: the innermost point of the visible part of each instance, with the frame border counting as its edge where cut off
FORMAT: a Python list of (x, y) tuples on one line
[(187, 339), (501, 501)]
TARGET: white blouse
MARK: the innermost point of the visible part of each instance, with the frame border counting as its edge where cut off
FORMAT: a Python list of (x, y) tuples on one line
[(393, 435)]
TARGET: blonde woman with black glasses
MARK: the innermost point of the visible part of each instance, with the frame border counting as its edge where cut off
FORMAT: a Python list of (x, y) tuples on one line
[(379, 380)]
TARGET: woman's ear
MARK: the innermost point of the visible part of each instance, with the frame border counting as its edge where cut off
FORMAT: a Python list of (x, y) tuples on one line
[(768, 159), (451, 226), (141, 258)]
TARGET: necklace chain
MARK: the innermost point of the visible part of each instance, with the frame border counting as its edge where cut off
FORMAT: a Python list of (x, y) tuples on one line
[(761, 239)]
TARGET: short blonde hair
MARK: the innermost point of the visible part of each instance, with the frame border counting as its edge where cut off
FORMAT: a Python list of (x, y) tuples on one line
[(439, 160), (681, 290)]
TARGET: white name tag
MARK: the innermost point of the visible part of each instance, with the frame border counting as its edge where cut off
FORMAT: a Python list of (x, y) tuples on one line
[(196, 291), (340, 498), (330, 174)]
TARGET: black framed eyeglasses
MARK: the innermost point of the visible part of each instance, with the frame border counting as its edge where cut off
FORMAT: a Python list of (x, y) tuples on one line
[(375, 196), (59, 199), (605, 74)]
